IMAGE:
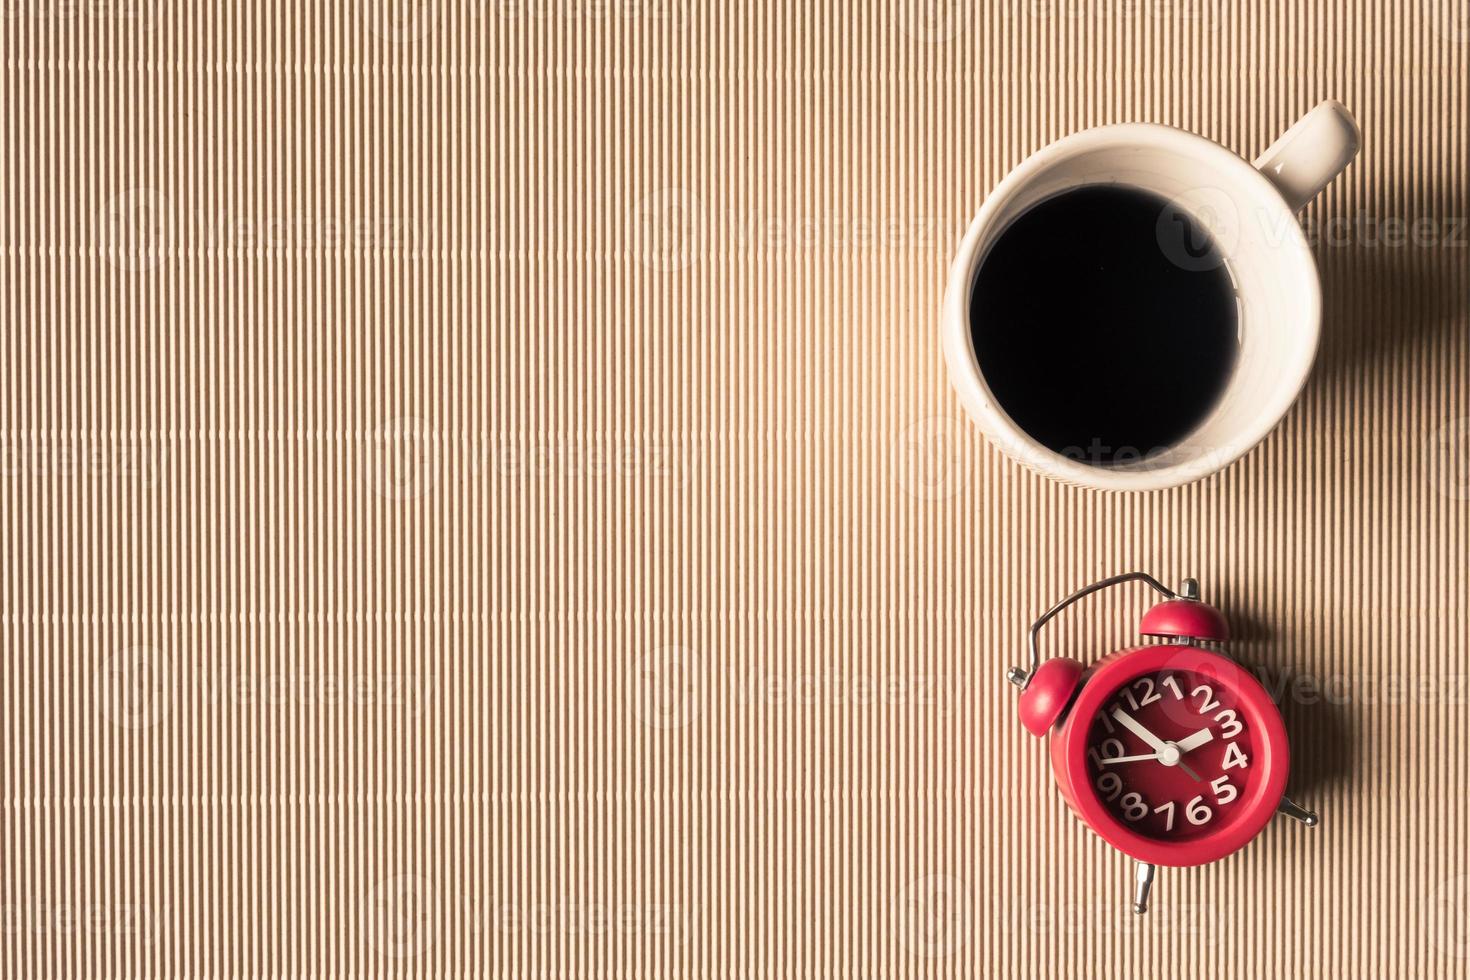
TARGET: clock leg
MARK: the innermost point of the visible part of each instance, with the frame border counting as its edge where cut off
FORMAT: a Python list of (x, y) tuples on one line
[(1297, 812), (1144, 881)]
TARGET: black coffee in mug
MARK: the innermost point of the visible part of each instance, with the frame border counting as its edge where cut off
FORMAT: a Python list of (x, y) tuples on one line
[(1105, 323)]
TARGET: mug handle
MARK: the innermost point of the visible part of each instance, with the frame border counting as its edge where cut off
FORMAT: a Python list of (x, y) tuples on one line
[(1311, 153)]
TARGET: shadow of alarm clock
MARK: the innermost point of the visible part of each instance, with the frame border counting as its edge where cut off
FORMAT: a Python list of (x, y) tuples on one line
[(1173, 754)]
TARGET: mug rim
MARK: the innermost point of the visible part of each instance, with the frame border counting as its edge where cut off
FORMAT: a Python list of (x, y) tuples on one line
[(968, 380)]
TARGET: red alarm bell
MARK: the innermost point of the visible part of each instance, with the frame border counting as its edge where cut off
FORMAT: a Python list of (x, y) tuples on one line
[(1172, 753)]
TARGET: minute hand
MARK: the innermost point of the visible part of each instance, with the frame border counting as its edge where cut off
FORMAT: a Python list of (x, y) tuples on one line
[(1133, 726)]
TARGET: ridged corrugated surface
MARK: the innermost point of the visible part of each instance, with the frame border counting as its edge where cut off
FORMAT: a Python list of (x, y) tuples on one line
[(482, 495)]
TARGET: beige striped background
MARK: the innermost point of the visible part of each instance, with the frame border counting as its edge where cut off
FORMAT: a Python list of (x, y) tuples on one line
[(482, 495)]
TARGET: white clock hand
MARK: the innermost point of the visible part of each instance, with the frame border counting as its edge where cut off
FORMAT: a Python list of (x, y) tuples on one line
[(1191, 742), (1167, 753), (1129, 758), (1133, 726)]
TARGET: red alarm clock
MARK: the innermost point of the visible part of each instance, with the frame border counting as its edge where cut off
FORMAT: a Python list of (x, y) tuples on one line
[(1172, 753)]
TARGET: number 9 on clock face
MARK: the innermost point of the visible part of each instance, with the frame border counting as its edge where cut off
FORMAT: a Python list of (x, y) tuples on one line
[(1169, 755)]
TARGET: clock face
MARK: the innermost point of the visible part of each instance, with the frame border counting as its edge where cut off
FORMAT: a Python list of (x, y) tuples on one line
[(1170, 754)]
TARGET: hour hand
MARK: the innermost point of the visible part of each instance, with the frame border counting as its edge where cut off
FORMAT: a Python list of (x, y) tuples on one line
[(1191, 742)]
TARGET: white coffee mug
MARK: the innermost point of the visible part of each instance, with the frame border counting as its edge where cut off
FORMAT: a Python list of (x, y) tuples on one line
[(1249, 210)]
